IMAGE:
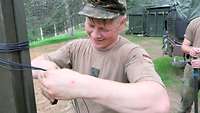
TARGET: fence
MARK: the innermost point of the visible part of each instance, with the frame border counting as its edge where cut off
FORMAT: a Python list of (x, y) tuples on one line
[(47, 18), (50, 30)]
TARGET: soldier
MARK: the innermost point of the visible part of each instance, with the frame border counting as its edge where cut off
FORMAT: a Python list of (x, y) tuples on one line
[(191, 46), (105, 73)]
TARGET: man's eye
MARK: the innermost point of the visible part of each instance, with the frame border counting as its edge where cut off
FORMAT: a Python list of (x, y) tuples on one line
[(104, 30), (91, 25)]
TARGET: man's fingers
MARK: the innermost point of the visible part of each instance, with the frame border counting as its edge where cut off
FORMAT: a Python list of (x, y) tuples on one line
[(37, 73), (45, 91), (42, 77), (195, 63), (49, 97)]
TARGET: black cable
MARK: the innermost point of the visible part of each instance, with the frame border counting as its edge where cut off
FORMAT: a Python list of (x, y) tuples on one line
[(13, 47), (76, 106), (86, 106), (10, 65)]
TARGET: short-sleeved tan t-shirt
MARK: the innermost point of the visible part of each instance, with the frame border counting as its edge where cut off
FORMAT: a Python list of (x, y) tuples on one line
[(125, 62), (192, 32)]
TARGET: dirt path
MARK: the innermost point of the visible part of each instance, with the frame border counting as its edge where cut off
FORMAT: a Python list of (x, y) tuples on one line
[(43, 105)]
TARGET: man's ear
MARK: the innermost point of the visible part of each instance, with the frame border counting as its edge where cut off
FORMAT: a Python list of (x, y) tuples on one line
[(122, 23)]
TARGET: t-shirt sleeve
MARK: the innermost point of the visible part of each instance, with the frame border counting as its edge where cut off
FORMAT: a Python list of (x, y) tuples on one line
[(139, 67), (62, 56), (189, 35)]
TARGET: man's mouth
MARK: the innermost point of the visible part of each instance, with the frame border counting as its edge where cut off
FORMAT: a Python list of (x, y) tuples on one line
[(99, 39)]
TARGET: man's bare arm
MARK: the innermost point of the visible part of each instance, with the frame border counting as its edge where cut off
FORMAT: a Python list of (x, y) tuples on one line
[(186, 46), (141, 97)]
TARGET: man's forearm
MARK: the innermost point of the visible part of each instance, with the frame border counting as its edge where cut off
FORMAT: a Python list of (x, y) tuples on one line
[(186, 49), (143, 97)]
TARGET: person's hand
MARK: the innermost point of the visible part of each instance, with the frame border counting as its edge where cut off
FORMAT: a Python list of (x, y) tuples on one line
[(44, 64), (194, 52), (195, 63), (60, 84)]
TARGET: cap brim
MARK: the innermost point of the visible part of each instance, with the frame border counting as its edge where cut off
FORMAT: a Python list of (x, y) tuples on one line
[(99, 13)]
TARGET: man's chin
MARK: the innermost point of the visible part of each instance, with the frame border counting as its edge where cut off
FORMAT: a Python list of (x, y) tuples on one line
[(98, 47)]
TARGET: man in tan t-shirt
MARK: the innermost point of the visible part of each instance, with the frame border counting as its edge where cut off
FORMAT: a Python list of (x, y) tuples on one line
[(103, 73), (191, 46)]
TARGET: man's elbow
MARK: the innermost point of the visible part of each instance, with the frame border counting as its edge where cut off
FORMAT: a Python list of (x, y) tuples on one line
[(163, 106)]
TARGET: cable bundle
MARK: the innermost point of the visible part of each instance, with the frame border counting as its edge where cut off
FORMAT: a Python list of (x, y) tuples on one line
[(10, 65), (13, 47)]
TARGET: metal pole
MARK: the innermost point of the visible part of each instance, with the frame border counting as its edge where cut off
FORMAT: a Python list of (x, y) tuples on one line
[(16, 87)]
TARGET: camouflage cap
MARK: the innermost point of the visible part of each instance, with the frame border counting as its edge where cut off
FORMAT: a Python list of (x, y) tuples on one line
[(104, 9)]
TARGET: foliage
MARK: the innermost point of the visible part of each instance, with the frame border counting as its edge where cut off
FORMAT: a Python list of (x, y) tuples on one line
[(44, 12)]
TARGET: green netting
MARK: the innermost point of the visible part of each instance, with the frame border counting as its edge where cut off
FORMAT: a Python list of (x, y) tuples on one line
[(188, 9)]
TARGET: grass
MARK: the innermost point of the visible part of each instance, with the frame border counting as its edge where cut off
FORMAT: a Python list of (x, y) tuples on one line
[(150, 44), (143, 39), (167, 71), (57, 39), (163, 64)]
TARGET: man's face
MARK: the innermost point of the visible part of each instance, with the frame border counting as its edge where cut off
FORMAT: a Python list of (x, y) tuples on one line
[(102, 33)]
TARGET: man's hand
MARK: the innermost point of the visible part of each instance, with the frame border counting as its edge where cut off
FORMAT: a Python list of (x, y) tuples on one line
[(195, 52), (44, 64), (195, 63), (60, 84)]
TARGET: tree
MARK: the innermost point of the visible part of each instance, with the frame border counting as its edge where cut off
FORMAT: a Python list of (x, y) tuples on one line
[(43, 13), (72, 8)]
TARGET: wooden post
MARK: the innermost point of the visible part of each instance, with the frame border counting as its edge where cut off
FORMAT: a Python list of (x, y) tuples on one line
[(16, 87), (55, 31), (41, 33)]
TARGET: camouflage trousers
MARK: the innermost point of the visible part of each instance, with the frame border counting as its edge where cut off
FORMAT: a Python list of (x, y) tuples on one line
[(187, 93)]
